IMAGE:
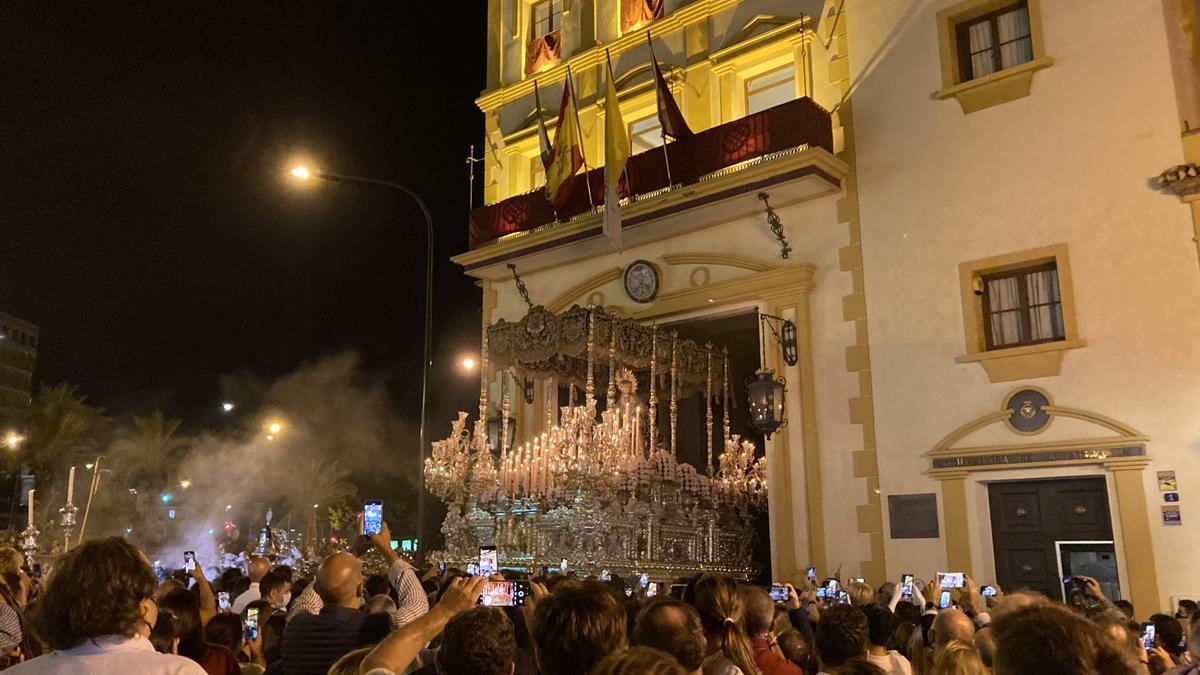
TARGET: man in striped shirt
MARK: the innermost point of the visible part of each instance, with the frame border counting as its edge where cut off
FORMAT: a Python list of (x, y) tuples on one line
[(411, 599)]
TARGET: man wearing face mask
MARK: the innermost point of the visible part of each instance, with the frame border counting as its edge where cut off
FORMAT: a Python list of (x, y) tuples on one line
[(277, 590), (312, 642), (97, 612)]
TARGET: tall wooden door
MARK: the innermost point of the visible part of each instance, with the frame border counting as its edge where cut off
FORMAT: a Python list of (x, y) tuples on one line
[(1028, 517)]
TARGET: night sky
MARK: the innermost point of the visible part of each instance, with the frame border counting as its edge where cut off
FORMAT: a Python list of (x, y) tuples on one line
[(144, 223)]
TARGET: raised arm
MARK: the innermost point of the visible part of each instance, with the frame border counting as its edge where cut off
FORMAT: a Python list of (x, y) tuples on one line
[(399, 649), (208, 599), (411, 601)]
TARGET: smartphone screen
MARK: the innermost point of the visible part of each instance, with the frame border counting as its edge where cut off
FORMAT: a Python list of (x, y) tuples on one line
[(1148, 637), (562, 566), (605, 575), (944, 601), (223, 601), (644, 581), (988, 591), (473, 569), (906, 585), (821, 592), (779, 593), (831, 587), (843, 597), (504, 593), (950, 579), (487, 560), (252, 623), (372, 517), (812, 572), (189, 561), (441, 568), (652, 589)]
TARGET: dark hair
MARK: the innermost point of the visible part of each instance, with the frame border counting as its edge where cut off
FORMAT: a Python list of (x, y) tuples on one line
[(272, 581), (166, 629), (1049, 638), (907, 612), (225, 629), (285, 571), (638, 661), (684, 640), (191, 632), (96, 589), (272, 637), (1168, 633), (577, 626), (1188, 606), (879, 624), (377, 584), (1125, 606), (480, 640), (841, 635)]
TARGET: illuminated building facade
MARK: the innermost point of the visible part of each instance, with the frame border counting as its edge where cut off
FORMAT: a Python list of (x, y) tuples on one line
[(995, 297), (18, 355)]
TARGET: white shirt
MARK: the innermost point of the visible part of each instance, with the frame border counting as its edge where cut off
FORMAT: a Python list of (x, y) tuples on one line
[(109, 654), (892, 663), (251, 594)]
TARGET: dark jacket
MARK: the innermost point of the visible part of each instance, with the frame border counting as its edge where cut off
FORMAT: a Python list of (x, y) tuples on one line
[(312, 642)]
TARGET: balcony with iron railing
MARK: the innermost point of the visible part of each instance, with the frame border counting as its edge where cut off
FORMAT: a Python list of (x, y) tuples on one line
[(789, 142)]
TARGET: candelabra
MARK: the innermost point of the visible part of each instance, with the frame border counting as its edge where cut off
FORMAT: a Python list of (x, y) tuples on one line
[(29, 543), (66, 520)]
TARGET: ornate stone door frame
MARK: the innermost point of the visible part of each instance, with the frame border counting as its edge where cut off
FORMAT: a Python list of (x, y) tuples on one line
[(1121, 452)]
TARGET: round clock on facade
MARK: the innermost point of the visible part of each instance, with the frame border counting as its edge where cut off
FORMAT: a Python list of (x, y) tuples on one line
[(641, 281)]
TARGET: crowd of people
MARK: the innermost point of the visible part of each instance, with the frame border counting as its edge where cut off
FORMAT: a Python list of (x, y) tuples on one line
[(102, 609)]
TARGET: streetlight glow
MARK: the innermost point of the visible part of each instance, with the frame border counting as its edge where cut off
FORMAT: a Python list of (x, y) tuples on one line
[(468, 363), (13, 440), (275, 427), (301, 172), (227, 406), (185, 484)]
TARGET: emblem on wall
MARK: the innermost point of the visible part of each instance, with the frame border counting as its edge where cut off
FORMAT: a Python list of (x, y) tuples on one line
[(1029, 415), (641, 281)]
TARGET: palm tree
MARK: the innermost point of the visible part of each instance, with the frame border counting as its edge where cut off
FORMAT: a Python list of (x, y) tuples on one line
[(145, 454), (61, 427)]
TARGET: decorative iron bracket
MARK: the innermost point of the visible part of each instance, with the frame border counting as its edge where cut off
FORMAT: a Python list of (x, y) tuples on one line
[(785, 335), (776, 226)]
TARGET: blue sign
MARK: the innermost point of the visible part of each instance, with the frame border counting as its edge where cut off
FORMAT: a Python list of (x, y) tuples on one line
[(1170, 496)]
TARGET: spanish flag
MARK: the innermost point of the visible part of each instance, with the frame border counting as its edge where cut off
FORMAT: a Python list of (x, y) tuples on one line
[(566, 157)]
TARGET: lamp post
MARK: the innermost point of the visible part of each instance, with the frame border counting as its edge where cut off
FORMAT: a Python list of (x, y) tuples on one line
[(303, 173)]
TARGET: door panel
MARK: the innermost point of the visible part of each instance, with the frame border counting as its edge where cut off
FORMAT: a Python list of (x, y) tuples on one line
[(1028, 517)]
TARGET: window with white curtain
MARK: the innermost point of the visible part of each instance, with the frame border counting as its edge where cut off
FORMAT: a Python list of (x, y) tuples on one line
[(770, 89), (1022, 307), (994, 41), (547, 17)]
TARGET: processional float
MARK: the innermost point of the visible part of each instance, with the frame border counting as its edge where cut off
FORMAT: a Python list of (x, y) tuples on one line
[(600, 489)]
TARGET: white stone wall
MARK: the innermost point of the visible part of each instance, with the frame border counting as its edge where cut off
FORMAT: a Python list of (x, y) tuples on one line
[(1070, 163)]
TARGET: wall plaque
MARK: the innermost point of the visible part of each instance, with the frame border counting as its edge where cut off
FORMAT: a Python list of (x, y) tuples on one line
[(913, 516)]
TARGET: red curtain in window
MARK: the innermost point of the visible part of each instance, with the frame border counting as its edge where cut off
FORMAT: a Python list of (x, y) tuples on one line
[(542, 52), (635, 13)]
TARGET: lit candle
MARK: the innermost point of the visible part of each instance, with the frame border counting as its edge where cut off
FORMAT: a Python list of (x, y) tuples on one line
[(71, 486), (31, 507)]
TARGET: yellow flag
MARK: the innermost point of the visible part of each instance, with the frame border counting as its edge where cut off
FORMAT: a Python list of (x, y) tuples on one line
[(616, 153)]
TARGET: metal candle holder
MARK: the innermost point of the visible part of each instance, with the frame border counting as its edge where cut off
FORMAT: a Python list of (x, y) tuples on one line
[(66, 519)]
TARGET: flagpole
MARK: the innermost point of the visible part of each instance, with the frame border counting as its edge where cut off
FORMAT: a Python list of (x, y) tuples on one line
[(662, 128), (628, 185), (579, 128), (541, 126)]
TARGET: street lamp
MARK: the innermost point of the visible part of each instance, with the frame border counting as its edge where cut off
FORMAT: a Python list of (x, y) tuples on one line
[(13, 440), (303, 173), (468, 364)]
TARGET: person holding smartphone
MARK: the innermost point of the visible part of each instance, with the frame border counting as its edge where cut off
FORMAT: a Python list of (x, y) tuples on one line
[(411, 599)]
